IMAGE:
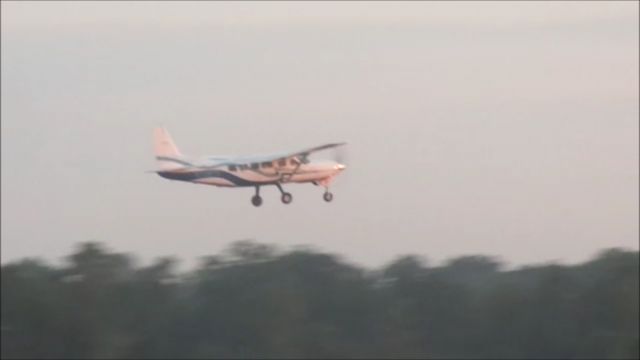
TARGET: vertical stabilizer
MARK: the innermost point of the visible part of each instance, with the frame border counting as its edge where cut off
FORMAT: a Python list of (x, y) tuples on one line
[(167, 154)]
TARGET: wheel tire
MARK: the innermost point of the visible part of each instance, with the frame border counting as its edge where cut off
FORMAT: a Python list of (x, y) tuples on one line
[(256, 200), (327, 196), (286, 198)]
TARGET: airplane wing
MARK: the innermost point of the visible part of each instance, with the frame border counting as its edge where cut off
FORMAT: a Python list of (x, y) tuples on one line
[(307, 152), (267, 158)]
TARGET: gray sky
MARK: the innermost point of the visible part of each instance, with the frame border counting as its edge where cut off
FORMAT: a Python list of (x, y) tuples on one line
[(507, 128)]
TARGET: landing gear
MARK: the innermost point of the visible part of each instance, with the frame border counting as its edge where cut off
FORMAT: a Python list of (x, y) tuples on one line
[(327, 196), (286, 197), (256, 200)]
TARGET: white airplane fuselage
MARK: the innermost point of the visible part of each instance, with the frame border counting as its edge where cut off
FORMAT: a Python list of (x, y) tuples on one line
[(239, 174)]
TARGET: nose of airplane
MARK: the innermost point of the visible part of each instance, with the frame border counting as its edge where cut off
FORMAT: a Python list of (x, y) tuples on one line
[(340, 167)]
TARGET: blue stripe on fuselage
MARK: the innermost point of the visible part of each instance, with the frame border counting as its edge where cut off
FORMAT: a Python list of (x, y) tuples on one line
[(197, 175)]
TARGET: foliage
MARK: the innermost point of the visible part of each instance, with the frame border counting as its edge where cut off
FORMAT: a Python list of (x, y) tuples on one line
[(253, 301)]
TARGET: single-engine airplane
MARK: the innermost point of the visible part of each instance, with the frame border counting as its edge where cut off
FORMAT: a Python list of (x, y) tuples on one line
[(245, 171)]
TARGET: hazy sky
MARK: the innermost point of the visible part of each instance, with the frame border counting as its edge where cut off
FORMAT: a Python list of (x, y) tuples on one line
[(507, 128)]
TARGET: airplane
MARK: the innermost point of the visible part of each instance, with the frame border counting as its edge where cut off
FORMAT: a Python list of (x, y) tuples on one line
[(246, 171)]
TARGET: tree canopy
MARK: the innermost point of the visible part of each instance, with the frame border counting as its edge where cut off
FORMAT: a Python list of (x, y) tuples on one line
[(253, 301)]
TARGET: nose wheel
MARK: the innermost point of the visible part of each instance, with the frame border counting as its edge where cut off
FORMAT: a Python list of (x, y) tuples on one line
[(327, 196)]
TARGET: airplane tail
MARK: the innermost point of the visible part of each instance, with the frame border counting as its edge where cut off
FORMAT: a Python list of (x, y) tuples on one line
[(167, 154)]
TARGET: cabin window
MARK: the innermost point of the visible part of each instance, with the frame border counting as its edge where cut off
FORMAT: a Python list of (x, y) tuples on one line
[(282, 162), (267, 164), (255, 166), (233, 168)]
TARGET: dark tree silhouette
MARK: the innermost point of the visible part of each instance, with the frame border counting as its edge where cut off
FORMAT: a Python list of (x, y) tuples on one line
[(254, 301)]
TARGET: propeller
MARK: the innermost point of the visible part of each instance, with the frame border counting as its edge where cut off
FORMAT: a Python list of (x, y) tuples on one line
[(337, 154), (341, 155)]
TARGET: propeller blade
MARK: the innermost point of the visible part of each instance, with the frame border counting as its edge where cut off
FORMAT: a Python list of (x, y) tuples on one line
[(341, 156)]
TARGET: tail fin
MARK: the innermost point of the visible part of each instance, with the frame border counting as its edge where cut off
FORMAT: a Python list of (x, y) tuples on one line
[(167, 154)]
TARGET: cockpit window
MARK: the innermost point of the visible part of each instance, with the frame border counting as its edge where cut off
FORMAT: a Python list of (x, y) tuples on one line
[(282, 162), (233, 168), (294, 161), (255, 166), (267, 164)]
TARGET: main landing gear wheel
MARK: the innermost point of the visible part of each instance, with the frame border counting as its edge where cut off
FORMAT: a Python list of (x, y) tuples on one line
[(286, 198), (256, 200), (327, 196)]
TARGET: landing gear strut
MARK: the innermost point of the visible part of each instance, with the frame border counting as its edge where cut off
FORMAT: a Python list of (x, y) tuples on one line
[(286, 197), (256, 200)]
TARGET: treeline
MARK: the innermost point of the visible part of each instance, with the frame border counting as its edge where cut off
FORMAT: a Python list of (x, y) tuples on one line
[(252, 301)]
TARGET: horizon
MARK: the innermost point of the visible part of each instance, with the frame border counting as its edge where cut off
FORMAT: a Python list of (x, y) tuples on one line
[(504, 265)]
